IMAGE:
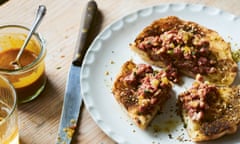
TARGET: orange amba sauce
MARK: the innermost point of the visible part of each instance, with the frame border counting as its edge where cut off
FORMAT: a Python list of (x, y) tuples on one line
[(28, 89), (8, 56)]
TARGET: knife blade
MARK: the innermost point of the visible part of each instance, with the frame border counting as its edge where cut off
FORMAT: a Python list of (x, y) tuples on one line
[(72, 99)]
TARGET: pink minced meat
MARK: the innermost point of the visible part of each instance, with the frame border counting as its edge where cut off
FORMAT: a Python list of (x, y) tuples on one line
[(194, 100), (180, 49), (148, 84)]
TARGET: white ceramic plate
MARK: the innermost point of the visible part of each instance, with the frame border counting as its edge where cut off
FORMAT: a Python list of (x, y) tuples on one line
[(111, 49)]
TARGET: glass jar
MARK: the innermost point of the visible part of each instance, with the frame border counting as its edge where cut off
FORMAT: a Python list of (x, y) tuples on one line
[(9, 133), (29, 80)]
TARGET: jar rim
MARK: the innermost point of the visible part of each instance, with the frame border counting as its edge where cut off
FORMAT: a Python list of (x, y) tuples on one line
[(39, 58)]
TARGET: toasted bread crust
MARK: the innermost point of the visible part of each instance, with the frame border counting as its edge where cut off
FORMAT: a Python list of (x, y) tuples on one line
[(226, 68), (142, 120)]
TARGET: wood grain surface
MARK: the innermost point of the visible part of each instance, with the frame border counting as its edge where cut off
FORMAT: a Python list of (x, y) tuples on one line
[(39, 119)]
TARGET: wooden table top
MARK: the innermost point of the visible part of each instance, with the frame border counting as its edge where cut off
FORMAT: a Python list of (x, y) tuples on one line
[(39, 119)]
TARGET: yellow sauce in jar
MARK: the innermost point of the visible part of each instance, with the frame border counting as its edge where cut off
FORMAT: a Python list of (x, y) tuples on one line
[(30, 79), (27, 83)]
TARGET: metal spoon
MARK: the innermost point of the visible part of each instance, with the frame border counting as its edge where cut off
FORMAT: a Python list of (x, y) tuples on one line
[(40, 13)]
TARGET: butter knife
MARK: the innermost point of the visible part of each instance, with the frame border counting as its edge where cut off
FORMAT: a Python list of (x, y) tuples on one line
[(72, 99)]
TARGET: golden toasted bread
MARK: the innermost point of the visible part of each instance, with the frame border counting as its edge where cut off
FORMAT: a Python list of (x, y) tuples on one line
[(188, 48), (141, 91), (210, 112)]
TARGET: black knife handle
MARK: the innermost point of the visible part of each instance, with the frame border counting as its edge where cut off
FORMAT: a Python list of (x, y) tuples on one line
[(85, 26)]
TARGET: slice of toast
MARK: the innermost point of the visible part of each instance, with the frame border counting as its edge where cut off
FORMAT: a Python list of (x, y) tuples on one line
[(188, 48), (210, 112), (141, 91)]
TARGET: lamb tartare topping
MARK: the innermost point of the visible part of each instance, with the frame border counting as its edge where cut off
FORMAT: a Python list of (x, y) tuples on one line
[(180, 48)]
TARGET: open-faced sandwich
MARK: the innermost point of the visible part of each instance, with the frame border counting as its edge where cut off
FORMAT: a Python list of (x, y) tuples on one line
[(188, 48), (142, 91), (208, 111)]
